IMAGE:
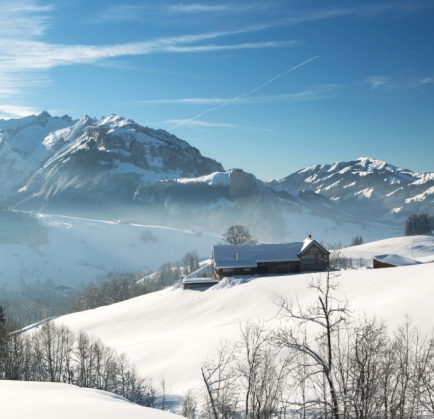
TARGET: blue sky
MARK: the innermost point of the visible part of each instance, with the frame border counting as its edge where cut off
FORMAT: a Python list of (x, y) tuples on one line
[(163, 63)]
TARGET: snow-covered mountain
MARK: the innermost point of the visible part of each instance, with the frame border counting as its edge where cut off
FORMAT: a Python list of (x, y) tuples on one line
[(110, 157), (367, 188), (113, 168), (24, 143)]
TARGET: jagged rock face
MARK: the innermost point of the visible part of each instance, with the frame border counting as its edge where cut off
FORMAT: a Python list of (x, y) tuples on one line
[(367, 188), (99, 163), (23, 147)]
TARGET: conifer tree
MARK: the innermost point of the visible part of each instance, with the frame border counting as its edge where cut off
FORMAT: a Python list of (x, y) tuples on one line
[(419, 224)]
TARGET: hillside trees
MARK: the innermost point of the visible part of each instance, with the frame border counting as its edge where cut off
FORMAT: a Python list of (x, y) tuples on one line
[(53, 353), (357, 241), (239, 234), (323, 363), (419, 224)]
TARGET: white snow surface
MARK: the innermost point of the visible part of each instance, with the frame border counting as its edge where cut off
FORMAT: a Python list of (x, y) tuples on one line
[(82, 249), (212, 179), (38, 400), (413, 247), (396, 260), (171, 332)]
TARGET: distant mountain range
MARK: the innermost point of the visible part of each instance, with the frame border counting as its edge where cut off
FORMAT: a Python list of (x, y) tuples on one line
[(367, 188), (113, 168)]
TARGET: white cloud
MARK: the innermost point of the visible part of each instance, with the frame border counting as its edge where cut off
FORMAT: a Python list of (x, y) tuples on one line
[(313, 93), (378, 81), (199, 123), (24, 58), (23, 19), (206, 8), (14, 111), (426, 80)]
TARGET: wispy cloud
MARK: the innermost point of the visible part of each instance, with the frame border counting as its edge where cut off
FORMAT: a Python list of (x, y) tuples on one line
[(316, 92), (426, 80), (23, 19), (12, 111), (396, 82), (244, 94), (218, 14), (206, 8), (199, 123), (378, 81), (24, 58)]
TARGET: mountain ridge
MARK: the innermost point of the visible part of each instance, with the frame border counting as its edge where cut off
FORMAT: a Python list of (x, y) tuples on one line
[(387, 191)]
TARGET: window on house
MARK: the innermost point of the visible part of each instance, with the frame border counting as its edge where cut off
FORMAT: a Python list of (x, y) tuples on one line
[(246, 269), (228, 270), (322, 263), (308, 264), (314, 249)]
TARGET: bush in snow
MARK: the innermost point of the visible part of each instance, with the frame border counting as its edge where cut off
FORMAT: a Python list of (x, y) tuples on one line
[(148, 237)]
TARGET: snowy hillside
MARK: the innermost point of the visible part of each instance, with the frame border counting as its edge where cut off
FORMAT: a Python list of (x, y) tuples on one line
[(81, 250), (420, 248), (38, 400), (367, 187), (170, 332)]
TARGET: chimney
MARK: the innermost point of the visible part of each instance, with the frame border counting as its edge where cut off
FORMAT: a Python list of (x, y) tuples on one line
[(236, 255), (310, 236)]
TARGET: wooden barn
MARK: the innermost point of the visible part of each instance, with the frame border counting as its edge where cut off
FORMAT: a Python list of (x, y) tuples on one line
[(392, 261), (264, 259)]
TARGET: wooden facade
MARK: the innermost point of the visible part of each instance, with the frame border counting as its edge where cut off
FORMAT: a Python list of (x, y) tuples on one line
[(378, 264), (312, 258)]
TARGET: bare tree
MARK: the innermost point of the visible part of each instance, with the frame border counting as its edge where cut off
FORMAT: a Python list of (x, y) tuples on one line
[(163, 386), (189, 404), (239, 234), (328, 315), (220, 379)]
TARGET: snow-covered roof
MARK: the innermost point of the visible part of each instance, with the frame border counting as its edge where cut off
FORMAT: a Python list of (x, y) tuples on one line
[(250, 255), (307, 242), (203, 281), (396, 260)]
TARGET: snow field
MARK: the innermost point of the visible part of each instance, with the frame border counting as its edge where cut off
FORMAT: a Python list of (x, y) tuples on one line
[(420, 248), (80, 250), (169, 333), (38, 400)]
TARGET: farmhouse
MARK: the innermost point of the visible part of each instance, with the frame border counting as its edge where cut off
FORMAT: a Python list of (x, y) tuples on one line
[(264, 259), (392, 261)]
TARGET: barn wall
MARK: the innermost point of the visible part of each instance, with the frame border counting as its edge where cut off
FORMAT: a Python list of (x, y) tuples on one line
[(379, 265)]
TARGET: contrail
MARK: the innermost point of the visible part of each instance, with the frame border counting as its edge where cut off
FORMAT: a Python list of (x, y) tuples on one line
[(244, 94)]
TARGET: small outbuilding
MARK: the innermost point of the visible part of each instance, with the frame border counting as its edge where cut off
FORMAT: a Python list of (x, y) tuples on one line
[(393, 260), (191, 283)]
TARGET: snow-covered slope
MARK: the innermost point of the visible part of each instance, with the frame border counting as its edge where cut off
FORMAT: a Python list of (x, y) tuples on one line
[(170, 332), (420, 248), (81, 250), (38, 400), (23, 147), (367, 187), (212, 179)]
